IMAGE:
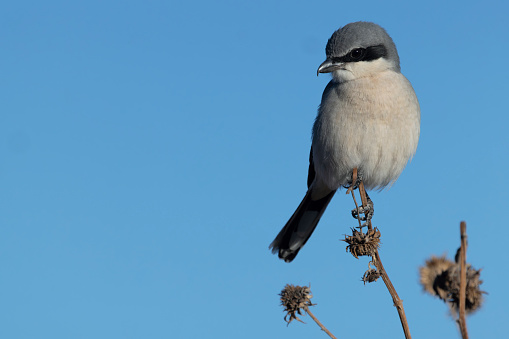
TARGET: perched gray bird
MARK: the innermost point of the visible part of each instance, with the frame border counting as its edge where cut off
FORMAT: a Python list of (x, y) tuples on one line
[(368, 119)]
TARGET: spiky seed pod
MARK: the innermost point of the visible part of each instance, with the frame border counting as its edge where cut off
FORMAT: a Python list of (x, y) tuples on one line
[(370, 276), (360, 243), (293, 299), (474, 295), (441, 277), (433, 267)]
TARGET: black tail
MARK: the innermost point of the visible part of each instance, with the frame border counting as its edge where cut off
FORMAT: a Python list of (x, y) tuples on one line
[(299, 228)]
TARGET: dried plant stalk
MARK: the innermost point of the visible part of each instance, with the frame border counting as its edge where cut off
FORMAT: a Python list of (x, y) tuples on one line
[(295, 299), (398, 303), (463, 280), (457, 283), (319, 323)]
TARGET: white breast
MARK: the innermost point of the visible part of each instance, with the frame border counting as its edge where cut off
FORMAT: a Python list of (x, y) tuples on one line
[(371, 123)]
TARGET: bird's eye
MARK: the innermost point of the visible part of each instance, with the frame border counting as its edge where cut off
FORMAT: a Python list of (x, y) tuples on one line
[(357, 54)]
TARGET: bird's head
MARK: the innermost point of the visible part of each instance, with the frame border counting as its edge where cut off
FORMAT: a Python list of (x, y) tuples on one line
[(357, 50)]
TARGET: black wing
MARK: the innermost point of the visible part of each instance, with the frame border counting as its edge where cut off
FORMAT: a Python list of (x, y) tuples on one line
[(311, 170)]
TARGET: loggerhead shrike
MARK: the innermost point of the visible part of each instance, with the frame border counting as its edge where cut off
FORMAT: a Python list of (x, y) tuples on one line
[(368, 119)]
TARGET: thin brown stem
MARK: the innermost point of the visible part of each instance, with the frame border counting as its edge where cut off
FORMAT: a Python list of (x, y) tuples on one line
[(463, 280), (319, 323), (398, 303), (350, 190), (357, 208), (354, 180)]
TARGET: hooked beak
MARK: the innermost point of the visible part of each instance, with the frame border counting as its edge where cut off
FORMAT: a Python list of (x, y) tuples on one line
[(329, 66)]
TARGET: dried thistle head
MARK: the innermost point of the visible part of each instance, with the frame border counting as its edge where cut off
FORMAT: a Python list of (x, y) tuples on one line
[(371, 275), (293, 299), (474, 295), (433, 267), (360, 243), (441, 277)]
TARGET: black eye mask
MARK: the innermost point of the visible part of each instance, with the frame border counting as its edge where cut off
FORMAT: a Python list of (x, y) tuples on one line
[(363, 54)]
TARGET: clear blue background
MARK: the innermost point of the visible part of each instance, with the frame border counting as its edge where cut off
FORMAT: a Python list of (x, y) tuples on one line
[(150, 151)]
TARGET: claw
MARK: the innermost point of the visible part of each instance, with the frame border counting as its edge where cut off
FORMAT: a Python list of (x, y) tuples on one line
[(367, 210)]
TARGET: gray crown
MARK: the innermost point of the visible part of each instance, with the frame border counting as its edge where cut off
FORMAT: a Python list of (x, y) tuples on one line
[(361, 35)]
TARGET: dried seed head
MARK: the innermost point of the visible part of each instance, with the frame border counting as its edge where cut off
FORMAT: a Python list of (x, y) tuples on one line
[(360, 243), (434, 267), (370, 276), (293, 299), (474, 295), (441, 277)]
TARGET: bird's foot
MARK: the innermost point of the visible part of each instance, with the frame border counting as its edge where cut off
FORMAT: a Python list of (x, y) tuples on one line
[(368, 210), (354, 182)]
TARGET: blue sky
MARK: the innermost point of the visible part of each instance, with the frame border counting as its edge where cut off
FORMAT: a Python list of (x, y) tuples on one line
[(151, 151)]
